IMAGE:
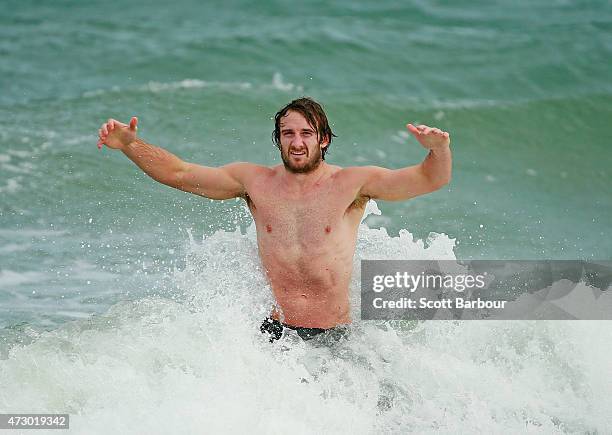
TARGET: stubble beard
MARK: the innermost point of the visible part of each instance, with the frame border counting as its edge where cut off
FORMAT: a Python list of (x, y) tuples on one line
[(310, 166)]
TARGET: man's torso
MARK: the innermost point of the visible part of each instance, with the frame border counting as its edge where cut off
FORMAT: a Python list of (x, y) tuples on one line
[(306, 239)]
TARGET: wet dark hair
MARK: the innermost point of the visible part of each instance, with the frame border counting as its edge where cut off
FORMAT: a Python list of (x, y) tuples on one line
[(314, 114)]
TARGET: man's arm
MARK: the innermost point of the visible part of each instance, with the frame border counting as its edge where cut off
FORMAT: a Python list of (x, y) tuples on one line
[(215, 183), (401, 184)]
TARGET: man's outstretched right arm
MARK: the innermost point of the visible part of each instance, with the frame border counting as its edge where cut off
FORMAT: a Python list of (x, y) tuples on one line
[(215, 183)]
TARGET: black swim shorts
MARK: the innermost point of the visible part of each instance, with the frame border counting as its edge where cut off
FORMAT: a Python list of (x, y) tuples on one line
[(275, 329)]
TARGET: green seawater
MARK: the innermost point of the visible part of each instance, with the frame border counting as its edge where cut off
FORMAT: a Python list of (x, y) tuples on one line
[(523, 87)]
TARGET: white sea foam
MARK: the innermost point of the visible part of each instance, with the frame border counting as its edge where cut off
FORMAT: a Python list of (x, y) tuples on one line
[(23, 154), (401, 137), (10, 248), (176, 366), (31, 233), (12, 185), (74, 314), (277, 83), (83, 270), (76, 140), (9, 278), (21, 168), (194, 84)]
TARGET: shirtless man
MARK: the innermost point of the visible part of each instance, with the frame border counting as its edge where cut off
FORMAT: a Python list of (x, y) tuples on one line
[(306, 211)]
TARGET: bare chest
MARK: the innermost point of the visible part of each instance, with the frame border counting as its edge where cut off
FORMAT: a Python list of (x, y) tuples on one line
[(307, 217), (298, 218)]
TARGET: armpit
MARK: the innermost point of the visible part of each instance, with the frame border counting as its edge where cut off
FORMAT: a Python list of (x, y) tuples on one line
[(359, 202), (248, 200)]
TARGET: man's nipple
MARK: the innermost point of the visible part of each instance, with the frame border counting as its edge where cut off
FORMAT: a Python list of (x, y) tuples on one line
[(269, 228), (327, 229)]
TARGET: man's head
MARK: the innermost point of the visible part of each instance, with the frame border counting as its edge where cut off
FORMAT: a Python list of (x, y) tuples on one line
[(302, 134)]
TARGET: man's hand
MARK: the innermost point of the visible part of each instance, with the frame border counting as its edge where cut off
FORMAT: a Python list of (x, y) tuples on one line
[(117, 135), (430, 137)]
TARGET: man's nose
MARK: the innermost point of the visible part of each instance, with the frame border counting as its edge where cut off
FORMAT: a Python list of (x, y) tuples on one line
[(297, 141)]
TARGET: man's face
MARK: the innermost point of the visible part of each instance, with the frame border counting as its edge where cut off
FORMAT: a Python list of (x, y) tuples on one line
[(300, 148)]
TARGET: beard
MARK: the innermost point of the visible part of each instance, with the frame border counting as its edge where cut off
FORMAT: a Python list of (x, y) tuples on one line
[(302, 168)]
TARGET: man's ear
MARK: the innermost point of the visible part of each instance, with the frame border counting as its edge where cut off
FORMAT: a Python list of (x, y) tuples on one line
[(324, 143)]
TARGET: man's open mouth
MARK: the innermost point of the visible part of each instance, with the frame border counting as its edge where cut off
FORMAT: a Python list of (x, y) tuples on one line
[(298, 153)]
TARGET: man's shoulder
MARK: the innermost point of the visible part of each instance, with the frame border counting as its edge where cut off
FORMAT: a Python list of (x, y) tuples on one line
[(247, 169), (355, 174), (350, 180), (354, 178)]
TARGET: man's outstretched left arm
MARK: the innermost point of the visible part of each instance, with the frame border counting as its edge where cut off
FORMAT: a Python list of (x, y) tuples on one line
[(401, 184)]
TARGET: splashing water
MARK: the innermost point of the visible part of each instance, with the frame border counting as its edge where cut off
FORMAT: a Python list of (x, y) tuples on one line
[(197, 362)]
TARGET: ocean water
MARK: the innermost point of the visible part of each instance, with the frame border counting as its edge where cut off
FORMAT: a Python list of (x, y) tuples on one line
[(134, 306)]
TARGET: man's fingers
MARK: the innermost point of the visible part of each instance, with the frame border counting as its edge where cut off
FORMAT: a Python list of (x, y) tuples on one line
[(424, 129), (419, 129), (134, 123), (412, 128)]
